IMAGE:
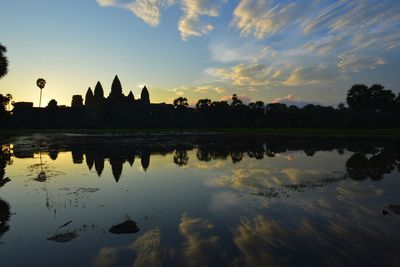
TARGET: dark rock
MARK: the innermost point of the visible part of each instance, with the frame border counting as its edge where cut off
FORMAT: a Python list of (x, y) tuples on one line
[(394, 208), (127, 227)]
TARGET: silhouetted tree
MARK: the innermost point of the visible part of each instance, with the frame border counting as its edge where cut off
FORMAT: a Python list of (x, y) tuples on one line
[(181, 103), (145, 96), (203, 104), (341, 106), (40, 83), (3, 61), (52, 105), (4, 101), (236, 102), (362, 98), (89, 97), (77, 102)]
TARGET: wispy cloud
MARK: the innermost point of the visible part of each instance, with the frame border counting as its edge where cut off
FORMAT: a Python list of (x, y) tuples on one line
[(190, 23), (147, 10), (355, 63), (263, 18)]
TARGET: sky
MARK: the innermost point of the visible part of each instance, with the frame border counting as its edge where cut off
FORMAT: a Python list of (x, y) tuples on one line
[(295, 52)]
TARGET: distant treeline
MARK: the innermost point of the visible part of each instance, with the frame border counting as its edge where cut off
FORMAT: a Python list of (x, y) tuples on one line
[(367, 107)]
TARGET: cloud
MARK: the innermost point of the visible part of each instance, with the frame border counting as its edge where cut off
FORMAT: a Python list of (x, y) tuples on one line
[(355, 63), (312, 75), (107, 2), (147, 10), (262, 19), (291, 100), (190, 24)]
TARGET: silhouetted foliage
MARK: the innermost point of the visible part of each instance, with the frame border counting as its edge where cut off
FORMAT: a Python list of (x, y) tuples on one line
[(374, 98), (52, 105), (181, 103), (3, 61), (41, 84)]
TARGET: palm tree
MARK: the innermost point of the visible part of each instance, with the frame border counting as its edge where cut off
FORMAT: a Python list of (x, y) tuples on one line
[(40, 83), (3, 61)]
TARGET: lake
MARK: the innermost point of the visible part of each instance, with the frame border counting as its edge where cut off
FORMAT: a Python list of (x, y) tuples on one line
[(199, 200)]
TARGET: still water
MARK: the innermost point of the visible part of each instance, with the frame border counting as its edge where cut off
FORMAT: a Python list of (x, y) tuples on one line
[(209, 200)]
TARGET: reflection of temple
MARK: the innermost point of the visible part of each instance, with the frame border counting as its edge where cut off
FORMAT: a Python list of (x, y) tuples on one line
[(366, 162)]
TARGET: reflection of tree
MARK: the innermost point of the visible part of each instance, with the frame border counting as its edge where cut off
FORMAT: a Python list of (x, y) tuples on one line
[(203, 154), (5, 158), (360, 167), (53, 154), (4, 216), (236, 156), (181, 158)]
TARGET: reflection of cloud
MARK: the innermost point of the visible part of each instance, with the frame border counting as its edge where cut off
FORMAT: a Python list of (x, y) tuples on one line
[(198, 248), (253, 179), (258, 239), (146, 248)]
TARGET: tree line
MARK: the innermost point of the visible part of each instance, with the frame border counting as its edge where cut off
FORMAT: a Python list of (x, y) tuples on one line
[(367, 107)]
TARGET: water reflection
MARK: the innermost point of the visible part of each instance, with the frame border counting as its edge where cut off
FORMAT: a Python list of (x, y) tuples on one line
[(200, 201)]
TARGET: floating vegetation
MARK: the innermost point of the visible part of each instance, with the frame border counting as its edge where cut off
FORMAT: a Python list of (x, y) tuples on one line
[(63, 238)]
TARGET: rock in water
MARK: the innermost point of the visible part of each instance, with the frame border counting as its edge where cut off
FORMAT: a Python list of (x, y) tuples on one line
[(127, 227)]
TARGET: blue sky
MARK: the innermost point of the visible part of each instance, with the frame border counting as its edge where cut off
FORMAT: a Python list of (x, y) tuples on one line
[(289, 51)]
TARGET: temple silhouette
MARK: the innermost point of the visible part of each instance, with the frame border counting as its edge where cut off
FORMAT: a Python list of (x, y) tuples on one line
[(367, 107), (94, 110)]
